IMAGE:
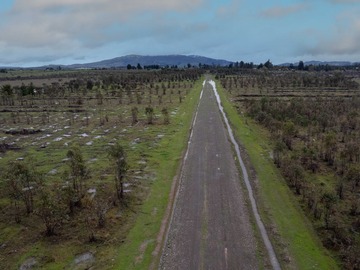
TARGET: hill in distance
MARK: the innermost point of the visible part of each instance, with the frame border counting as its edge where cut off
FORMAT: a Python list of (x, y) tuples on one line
[(161, 60), (321, 63), (168, 60)]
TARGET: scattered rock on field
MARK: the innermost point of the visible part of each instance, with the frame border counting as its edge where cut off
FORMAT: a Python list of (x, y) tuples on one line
[(84, 261), (53, 172), (136, 141), (92, 192), (28, 264), (28, 188)]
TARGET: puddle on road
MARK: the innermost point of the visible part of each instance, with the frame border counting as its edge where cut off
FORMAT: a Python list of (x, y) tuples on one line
[(273, 259)]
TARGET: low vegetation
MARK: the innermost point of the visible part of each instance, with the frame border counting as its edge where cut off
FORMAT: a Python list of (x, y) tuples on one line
[(78, 156), (88, 158), (313, 119)]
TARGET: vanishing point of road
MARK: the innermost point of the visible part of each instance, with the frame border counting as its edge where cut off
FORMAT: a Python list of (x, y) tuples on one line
[(211, 225)]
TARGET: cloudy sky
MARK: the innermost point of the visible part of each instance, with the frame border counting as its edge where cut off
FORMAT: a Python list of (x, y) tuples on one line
[(38, 32)]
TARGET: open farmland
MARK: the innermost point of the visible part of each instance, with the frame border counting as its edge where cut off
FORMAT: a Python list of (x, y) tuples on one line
[(88, 160), (313, 124), (58, 203)]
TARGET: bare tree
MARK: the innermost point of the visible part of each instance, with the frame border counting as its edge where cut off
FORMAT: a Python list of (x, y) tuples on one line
[(149, 111), (117, 156), (165, 113), (21, 181), (78, 174), (134, 114), (50, 210)]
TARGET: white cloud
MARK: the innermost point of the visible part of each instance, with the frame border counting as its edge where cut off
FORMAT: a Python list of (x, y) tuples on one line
[(282, 11), (345, 1), (229, 10), (60, 26), (345, 39), (113, 6)]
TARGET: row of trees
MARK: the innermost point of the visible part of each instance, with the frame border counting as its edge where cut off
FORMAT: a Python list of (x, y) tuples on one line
[(132, 87), (288, 81), (150, 67), (299, 66), (315, 145), (149, 111), (146, 91)]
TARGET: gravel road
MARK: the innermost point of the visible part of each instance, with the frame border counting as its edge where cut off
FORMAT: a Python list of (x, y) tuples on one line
[(210, 226)]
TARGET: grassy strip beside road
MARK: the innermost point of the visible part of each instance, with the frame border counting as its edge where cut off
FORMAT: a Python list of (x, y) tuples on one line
[(294, 234), (136, 251)]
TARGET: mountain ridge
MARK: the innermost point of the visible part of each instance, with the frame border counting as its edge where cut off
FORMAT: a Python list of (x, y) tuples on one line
[(321, 63), (148, 60), (178, 60)]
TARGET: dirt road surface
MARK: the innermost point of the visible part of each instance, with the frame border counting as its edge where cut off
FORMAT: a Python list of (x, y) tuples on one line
[(210, 227)]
